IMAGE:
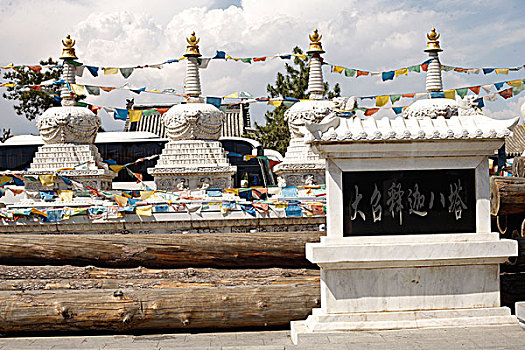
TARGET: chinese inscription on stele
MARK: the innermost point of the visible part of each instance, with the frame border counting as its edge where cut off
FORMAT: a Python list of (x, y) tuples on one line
[(409, 202)]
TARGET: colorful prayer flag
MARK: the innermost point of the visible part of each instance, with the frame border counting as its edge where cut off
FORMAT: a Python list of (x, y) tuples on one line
[(110, 71), (382, 100)]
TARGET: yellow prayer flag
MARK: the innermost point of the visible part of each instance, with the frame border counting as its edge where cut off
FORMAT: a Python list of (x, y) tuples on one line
[(65, 195), (183, 58), (275, 103), (450, 94), (8, 66), (121, 201), (5, 179), (78, 89), (143, 210), (8, 85), (338, 69), (402, 71), (234, 95), (154, 90), (38, 211), (134, 115), (146, 194), (116, 168), (110, 71), (382, 100), (47, 180), (303, 57), (502, 71), (515, 83), (232, 190)]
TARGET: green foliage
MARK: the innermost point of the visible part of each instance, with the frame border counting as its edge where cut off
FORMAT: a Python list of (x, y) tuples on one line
[(294, 83), (31, 103)]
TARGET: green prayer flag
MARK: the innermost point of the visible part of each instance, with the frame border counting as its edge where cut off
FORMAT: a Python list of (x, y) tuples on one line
[(81, 104), (447, 68), (462, 92), (92, 90), (517, 90), (149, 112), (75, 63), (288, 104), (414, 68), (246, 60), (395, 98), (349, 72), (126, 72)]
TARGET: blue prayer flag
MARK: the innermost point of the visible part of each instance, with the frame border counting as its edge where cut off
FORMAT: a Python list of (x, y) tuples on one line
[(437, 94), (219, 55), (121, 114), (388, 75), (216, 101), (93, 70), (488, 70), (498, 85)]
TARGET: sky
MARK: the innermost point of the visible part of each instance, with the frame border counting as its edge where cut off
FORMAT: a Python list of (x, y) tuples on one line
[(372, 35)]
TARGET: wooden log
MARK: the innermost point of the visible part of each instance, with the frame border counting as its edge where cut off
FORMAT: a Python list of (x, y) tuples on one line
[(237, 250), (126, 309), (518, 167), (26, 278), (507, 195)]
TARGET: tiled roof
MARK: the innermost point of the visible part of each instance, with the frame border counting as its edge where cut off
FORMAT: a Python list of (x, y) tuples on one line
[(515, 144), (336, 129)]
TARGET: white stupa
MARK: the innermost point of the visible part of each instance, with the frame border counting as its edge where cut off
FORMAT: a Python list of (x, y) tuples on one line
[(301, 166), (69, 133), (193, 158), (440, 106)]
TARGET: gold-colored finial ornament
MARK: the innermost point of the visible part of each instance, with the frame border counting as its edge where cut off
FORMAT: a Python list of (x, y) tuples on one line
[(315, 44), (68, 52), (192, 50), (433, 43)]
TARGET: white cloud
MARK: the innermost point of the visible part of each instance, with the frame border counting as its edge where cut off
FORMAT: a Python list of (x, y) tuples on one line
[(372, 35)]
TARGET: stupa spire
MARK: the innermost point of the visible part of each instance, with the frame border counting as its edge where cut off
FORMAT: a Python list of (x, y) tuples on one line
[(192, 83), (434, 82), (68, 71), (315, 76)]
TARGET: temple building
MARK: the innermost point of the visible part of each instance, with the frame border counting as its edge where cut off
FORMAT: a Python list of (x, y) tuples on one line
[(237, 122)]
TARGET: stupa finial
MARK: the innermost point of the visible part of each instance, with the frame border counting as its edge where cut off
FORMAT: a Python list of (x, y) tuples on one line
[(433, 43), (68, 52), (192, 50), (315, 43)]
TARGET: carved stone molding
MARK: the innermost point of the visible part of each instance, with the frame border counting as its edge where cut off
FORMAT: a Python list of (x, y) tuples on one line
[(68, 125), (193, 121)]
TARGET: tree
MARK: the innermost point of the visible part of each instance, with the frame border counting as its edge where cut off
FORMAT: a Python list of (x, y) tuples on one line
[(294, 83), (32, 102)]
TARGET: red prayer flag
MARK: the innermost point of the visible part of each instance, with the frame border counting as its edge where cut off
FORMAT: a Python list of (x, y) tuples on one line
[(507, 93), (272, 163), (461, 70), (370, 111), (35, 69), (475, 89), (35, 87), (94, 109), (410, 95), (162, 110), (138, 176), (424, 67), (259, 59), (360, 72)]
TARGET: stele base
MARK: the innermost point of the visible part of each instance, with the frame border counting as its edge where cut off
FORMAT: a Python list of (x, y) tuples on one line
[(388, 282)]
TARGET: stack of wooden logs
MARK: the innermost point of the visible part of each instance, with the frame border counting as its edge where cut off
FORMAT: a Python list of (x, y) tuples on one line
[(126, 283)]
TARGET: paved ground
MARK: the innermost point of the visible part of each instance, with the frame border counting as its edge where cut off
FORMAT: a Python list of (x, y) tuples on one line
[(505, 337)]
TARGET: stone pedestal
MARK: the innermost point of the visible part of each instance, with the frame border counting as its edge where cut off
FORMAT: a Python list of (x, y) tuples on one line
[(68, 133), (378, 273), (193, 164), (301, 166)]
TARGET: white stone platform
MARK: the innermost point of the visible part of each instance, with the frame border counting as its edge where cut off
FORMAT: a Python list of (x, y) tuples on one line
[(520, 313), (192, 164)]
